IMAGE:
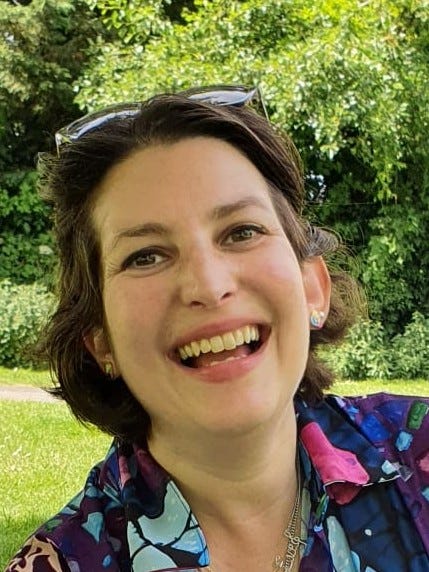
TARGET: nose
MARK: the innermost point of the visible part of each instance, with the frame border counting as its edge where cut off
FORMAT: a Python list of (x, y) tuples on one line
[(207, 279)]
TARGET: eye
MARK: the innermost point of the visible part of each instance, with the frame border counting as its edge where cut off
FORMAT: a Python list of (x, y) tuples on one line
[(243, 233), (146, 258)]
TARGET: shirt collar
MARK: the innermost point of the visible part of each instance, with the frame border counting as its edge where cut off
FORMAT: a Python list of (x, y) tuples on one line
[(342, 458), (162, 532)]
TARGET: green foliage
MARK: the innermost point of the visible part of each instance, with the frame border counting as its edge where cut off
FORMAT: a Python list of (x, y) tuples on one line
[(410, 350), (133, 21), (395, 265), (419, 387), (26, 247), (111, 68), (368, 352), (362, 355), (348, 81), (42, 47), (340, 75), (24, 310)]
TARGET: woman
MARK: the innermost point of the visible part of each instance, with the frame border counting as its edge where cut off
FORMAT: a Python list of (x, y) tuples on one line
[(192, 298)]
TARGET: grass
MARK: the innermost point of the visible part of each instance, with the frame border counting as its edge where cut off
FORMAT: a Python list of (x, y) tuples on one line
[(397, 386), (46, 454), (20, 376)]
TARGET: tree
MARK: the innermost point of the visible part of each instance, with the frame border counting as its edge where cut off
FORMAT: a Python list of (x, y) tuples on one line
[(347, 80), (42, 48), (43, 45)]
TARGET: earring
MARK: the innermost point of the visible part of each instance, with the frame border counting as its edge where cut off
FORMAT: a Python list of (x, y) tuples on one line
[(108, 369), (316, 319)]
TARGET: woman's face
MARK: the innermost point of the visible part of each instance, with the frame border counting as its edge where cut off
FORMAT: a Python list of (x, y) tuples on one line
[(194, 259)]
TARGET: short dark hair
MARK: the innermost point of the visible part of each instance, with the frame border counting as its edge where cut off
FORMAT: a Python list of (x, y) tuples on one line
[(69, 182)]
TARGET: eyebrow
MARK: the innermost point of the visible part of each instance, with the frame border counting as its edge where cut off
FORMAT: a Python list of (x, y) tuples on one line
[(223, 211), (218, 213)]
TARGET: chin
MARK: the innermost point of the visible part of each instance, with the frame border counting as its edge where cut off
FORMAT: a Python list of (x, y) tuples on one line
[(241, 415)]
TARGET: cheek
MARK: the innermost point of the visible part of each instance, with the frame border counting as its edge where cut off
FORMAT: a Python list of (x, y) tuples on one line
[(281, 280), (284, 275), (280, 270), (132, 310)]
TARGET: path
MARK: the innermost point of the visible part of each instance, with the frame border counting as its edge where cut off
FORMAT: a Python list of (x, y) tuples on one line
[(26, 393)]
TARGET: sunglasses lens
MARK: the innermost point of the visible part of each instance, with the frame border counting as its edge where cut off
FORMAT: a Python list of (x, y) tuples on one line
[(224, 97), (217, 95), (95, 120)]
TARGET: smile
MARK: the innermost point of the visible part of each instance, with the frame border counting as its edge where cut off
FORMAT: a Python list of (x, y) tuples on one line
[(228, 346)]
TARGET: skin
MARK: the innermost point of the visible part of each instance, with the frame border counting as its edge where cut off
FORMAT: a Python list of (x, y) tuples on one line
[(206, 267)]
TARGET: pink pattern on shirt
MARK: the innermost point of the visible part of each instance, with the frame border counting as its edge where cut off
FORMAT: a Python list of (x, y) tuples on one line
[(423, 463), (340, 470)]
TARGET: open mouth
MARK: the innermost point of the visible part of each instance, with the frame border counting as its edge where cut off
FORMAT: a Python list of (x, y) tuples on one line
[(229, 346)]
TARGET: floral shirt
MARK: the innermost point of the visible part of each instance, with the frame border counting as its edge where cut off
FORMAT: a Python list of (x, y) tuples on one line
[(365, 462)]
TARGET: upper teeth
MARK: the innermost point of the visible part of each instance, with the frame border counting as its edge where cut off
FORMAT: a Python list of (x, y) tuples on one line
[(227, 341)]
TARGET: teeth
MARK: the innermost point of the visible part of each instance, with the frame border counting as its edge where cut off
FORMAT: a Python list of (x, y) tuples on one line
[(239, 338), (217, 344), (182, 353), (195, 348), (205, 346), (246, 334), (229, 341)]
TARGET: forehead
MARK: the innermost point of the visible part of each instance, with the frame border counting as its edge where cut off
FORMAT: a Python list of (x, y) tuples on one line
[(169, 182)]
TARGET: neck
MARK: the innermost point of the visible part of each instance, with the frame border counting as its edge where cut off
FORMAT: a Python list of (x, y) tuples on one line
[(233, 479)]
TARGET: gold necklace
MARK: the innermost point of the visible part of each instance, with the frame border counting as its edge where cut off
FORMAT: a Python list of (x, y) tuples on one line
[(285, 563)]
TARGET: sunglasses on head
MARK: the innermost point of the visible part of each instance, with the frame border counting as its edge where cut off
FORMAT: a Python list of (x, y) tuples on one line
[(223, 95)]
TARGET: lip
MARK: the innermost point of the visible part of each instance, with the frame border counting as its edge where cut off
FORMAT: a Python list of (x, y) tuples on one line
[(215, 329), (228, 371)]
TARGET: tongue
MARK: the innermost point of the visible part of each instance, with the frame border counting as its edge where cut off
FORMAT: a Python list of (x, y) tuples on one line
[(204, 360)]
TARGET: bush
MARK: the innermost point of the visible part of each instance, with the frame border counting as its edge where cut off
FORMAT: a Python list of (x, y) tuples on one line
[(27, 252), (362, 355), (368, 353), (410, 350), (24, 310)]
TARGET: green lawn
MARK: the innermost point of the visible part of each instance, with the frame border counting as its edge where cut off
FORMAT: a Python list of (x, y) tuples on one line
[(46, 454), (397, 386), (45, 458), (19, 376)]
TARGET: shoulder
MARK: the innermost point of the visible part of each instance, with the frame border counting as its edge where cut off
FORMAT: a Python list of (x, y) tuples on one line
[(386, 434), (393, 427), (398, 425), (386, 417), (80, 523), (90, 532), (38, 554)]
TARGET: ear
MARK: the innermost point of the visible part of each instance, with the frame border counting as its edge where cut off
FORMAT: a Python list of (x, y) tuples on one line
[(317, 285), (97, 343)]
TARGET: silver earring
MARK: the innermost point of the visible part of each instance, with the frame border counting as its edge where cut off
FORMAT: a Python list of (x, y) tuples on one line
[(316, 319)]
